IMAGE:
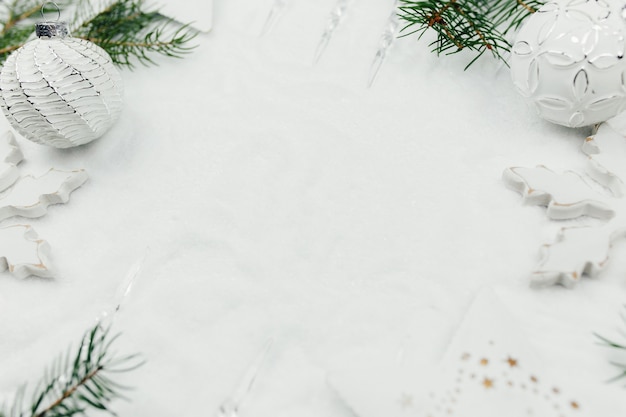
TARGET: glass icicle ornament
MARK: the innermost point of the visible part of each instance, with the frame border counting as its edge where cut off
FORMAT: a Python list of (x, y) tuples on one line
[(58, 90)]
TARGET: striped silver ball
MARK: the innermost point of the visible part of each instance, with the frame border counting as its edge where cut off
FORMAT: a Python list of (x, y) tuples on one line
[(58, 90)]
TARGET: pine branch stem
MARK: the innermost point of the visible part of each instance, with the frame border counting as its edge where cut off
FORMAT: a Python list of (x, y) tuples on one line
[(526, 6), (13, 20), (10, 49), (452, 38), (476, 30), (67, 394), (437, 19)]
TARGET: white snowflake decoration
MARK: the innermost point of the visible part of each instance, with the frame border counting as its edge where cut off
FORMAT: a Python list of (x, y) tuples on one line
[(583, 250)]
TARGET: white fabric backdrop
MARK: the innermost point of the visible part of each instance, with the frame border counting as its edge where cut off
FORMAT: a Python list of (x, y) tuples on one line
[(273, 198)]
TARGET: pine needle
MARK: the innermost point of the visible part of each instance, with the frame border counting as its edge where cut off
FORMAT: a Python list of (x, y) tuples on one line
[(126, 29), (479, 26), (620, 347), (77, 382)]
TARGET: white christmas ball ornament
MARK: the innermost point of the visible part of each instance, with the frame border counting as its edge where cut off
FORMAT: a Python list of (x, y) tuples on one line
[(568, 61), (58, 90)]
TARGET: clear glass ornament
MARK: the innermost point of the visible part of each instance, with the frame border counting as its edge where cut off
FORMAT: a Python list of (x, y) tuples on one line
[(58, 90)]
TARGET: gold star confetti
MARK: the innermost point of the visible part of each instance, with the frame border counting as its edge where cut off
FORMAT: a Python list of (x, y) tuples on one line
[(495, 374), (512, 362)]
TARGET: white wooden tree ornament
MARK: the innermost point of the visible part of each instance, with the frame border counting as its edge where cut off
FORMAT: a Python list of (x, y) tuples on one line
[(31, 196), (579, 251), (22, 253), (10, 157)]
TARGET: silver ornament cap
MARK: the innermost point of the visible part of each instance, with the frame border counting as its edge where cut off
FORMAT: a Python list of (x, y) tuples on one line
[(52, 30), (58, 90)]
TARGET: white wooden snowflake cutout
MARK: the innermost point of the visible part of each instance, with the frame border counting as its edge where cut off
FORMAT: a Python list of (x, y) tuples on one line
[(22, 252), (584, 250)]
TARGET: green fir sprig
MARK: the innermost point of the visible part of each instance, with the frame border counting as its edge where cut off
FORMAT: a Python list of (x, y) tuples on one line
[(620, 346), (126, 29), (480, 26), (79, 381)]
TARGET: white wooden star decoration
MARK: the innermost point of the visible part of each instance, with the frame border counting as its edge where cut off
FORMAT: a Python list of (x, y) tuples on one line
[(599, 193)]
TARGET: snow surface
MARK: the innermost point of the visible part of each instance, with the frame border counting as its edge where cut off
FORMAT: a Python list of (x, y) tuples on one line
[(274, 198)]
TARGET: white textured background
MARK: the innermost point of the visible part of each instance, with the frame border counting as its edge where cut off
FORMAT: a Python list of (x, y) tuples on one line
[(274, 198)]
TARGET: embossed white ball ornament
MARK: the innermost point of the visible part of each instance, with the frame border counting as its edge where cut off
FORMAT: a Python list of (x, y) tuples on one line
[(568, 61), (58, 90)]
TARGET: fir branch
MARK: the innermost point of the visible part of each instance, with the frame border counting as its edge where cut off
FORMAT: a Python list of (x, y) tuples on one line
[(616, 345), (13, 33), (19, 11), (508, 15), (476, 25), (76, 383), (124, 28)]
